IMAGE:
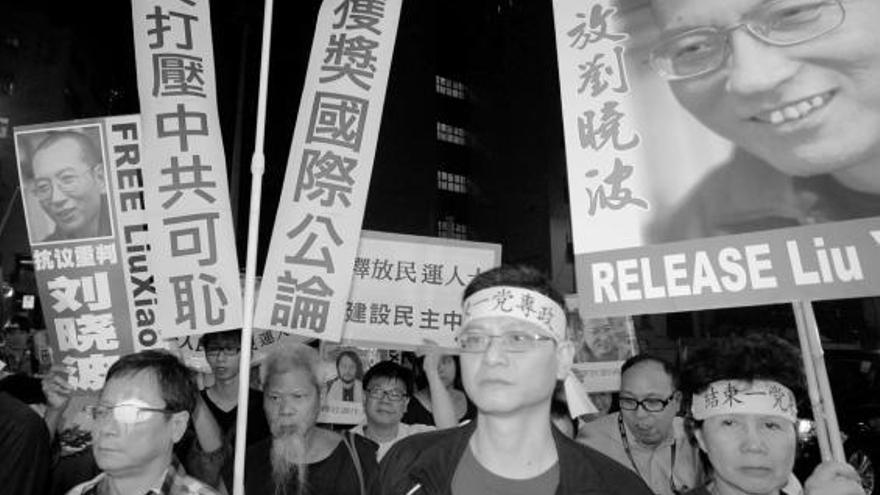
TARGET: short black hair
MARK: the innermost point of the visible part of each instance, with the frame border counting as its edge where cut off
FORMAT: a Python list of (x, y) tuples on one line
[(668, 367), (389, 370), (223, 337), (89, 152), (756, 356), (175, 380), (522, 276)]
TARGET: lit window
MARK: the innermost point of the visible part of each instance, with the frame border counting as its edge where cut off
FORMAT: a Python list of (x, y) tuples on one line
[(449, 87), (451, 229), (451, 182), (451, 134)]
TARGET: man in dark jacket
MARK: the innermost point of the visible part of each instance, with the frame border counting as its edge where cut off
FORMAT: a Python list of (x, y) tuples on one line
[(513, 350)]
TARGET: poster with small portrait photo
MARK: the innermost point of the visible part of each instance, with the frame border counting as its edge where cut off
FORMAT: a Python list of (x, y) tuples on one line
[(65, 191)]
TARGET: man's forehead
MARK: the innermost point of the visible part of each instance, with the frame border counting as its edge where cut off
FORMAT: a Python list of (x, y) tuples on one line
[(65, 151), (502, 324), (141, 385), (387, 382), (645, 377), (672, 15)]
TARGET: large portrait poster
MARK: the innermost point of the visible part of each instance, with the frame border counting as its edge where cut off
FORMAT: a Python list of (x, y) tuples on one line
[(83, 200), (715, 167)]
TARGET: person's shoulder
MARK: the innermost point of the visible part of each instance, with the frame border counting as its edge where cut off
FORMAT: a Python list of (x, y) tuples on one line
[(587, 464), (603, 428), (86, 486), (413, 429), (184, 484), (413, 446)]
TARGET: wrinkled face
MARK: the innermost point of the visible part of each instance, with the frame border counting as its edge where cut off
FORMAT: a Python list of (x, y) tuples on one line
[(806, 109), (446, 370), (751, 453), (384, 411), (347, 369), (223, 358), (502, 382), (648, 380), (123, 449), (73, 188), (291, 402)]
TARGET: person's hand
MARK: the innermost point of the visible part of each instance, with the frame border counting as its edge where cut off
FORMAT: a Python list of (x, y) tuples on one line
[(433, 354), (834, 478), (56, 388)]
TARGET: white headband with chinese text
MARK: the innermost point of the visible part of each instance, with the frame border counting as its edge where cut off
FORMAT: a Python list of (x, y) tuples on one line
[(516, 302), (749, 397), (538, 309)]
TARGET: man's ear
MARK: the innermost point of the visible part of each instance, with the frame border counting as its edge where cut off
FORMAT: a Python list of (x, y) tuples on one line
[(564, 358), (179, 422), (98, 170), (698, 433)]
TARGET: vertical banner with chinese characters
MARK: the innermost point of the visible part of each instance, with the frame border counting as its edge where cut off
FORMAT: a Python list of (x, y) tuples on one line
[(407, 288), (308, 270), (79, 197), (190, 227)]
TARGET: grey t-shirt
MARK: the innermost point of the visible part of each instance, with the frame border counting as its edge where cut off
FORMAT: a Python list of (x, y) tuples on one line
[(471, 478)]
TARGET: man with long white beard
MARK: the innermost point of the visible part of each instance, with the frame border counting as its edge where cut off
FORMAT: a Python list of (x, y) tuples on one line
[(301, 457)]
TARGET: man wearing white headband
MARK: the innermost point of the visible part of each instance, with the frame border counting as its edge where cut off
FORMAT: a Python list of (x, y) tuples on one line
[(513, 351)]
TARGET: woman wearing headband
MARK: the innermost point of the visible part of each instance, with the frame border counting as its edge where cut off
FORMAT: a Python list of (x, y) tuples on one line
[(744, 394)]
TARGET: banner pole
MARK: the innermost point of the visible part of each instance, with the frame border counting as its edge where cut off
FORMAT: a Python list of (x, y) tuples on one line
[(812, 382), (247, 331), (818, 357)]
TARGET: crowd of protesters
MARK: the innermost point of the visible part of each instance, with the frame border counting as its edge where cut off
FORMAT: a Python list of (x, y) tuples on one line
[(507, 432)]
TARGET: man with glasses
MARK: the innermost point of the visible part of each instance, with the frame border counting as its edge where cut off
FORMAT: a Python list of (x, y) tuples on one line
[(143, 410), (68, 181), (647, 436), (514, 349), (223, 352), (388, 388), (793, 85)]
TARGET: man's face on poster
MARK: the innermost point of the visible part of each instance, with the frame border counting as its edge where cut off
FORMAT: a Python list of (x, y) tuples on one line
[(346, 369), (807, 108), (69, 187)]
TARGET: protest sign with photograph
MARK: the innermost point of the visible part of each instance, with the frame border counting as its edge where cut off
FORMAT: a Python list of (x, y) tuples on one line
[(671, 140), (83, 202)]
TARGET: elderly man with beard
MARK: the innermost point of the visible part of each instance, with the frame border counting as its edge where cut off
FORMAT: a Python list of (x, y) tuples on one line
[(300, 457)]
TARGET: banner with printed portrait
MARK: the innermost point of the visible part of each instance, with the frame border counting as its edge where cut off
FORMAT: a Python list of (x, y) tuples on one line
[(83, 200), (703, 173), (317, 228), (190, 225)]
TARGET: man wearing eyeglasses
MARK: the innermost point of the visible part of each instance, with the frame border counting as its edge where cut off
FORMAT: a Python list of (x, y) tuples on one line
[(388, 387), (514, 349), (792, 83), (68, 181), (143, 410), (646, 435)]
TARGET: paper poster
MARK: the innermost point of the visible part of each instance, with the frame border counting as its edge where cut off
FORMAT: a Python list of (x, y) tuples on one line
[(704, 175)]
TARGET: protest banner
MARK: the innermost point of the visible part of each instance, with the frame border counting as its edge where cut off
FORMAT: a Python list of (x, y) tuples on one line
[(601, 346), (757, 182), (646, 174), (83, 199), (407, 289), (185, 184), (307, 275)]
